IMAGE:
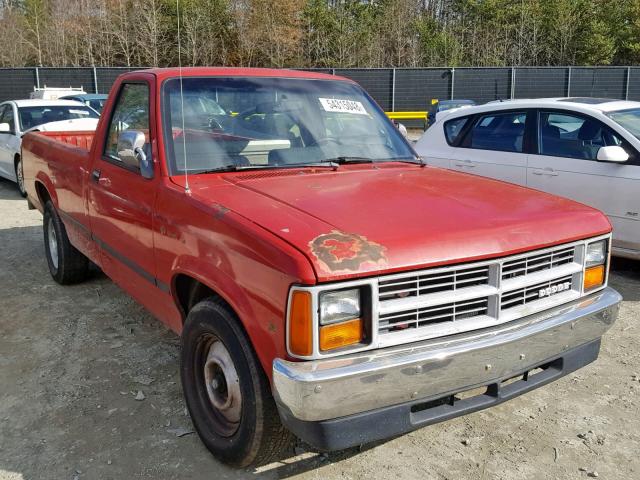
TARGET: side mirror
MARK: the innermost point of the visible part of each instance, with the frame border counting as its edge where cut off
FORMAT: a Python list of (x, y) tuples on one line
[(130, 150), (613, 153), (5, 128)]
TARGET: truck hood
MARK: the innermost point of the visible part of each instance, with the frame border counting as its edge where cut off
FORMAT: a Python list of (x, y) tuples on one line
[(362, 219)]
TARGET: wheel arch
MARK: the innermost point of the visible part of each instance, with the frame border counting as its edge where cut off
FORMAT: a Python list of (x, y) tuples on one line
[(45, 192), (188, 289)]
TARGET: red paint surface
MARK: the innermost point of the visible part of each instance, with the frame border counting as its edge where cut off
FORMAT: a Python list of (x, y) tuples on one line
[(248, 236)]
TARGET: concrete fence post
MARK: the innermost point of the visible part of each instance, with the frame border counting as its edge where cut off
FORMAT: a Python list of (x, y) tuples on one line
[(626, 85), (95, 80), (453, 82), (37, 78), (569, 82), (393, 90), (513, 82)]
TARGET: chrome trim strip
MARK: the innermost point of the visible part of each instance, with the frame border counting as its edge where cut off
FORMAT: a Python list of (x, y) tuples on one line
[(332, 388)]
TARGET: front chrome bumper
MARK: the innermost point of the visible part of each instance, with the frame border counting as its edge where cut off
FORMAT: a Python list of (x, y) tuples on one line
[(325, 389)]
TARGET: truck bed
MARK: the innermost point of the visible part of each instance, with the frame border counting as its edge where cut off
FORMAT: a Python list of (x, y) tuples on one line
[(77, 139)]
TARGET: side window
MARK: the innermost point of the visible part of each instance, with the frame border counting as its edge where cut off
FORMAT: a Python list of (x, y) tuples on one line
[(573, 136), (130, 113), (452, 129), (499, 131), (6, 116)]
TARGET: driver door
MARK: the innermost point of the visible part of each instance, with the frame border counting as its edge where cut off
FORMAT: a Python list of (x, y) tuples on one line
[(121, 200), (567, 165)]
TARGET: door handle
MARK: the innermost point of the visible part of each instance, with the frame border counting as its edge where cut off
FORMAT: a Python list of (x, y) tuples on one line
[(95, 175), (466, 164), (547, 171)]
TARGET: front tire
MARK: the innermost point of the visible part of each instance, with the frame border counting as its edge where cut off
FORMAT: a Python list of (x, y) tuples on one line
[(66, 264), (226, 391), (20, 176)]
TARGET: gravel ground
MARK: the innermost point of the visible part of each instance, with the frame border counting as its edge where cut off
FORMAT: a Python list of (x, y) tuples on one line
[(74, 359)]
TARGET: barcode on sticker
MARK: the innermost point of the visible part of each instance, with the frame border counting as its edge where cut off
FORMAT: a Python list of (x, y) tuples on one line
[(342, 106)]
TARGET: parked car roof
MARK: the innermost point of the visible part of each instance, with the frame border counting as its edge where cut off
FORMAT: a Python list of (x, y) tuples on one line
[(578, 104), (163, 73), (86, 96), (43, 103)]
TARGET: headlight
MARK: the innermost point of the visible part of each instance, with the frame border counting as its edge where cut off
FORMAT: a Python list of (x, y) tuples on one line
[(341, 322), (596, 254), (594, 262), (339, 306)]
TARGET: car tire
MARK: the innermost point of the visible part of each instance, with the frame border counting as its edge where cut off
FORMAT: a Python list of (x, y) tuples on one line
[(20, 175), (227, 393), (66, 264)]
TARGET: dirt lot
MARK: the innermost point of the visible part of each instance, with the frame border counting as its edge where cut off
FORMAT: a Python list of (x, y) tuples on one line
[(73, 359)]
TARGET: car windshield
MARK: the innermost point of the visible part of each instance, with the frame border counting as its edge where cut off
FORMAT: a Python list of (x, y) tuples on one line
[(261, 122), (97, 104), (628, 119), (37, 115)]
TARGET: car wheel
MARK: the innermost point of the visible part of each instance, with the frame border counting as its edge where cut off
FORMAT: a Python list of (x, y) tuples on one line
[(20, 176), (66, 264), (226, 391)]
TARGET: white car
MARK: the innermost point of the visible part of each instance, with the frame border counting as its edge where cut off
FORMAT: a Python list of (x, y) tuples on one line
[(586, 149), (18, 117)]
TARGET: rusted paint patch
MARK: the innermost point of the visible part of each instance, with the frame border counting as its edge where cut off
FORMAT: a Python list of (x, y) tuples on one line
[(339, 252), (220, 211)]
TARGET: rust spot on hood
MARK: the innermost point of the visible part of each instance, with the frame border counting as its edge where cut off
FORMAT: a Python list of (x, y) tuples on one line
[(339, 252)]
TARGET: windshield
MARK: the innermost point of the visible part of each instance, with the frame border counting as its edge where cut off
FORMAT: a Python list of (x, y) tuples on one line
[(628, 119), (258, 122), (33, 116), (97, 104)]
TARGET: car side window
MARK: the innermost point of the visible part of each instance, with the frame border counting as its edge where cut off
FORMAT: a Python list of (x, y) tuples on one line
[(453, 128), (499, 131), (573, 136), (6, 116), (131, 113)]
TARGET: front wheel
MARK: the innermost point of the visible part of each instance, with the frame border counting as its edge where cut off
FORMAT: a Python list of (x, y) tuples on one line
[(227, 393), (20, 176)]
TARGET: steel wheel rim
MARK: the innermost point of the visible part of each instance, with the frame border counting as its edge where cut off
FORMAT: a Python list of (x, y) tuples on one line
[(20, 176), (53, 243), (223, 387)]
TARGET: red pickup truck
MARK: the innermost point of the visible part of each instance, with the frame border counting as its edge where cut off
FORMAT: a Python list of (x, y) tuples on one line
[(324, 281)]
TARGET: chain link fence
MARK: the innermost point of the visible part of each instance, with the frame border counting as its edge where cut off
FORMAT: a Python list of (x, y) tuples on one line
[(395, 89)]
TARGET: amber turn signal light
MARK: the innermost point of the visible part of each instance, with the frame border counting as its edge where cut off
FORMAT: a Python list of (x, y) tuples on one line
[(341, 334), (300, 324), (593, 277)]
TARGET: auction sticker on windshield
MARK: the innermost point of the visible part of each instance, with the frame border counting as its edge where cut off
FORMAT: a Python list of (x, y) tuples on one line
[(343, 106)]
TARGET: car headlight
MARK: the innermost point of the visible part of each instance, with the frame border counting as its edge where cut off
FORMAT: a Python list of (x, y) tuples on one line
[(339, 306), (596, 254), (595, 265)]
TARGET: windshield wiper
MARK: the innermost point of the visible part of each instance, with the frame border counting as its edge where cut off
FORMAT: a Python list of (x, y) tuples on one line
[(342, 160), (237, 168)]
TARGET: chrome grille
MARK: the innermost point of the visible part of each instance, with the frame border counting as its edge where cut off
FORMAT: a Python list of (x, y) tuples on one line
[(427, 283), (444, 301), (525, 295), (537, 263), (420, 317)]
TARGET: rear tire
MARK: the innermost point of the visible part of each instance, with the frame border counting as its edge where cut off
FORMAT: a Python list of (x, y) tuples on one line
[(226, 391), (20, 176), (66, 264)]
